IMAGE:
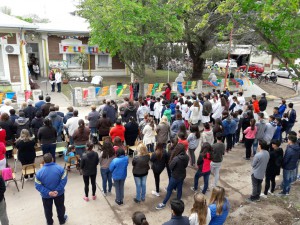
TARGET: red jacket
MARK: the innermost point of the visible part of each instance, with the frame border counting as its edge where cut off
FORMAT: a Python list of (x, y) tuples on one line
[(255, 106), (2, 151), (118, 130), (167, 94)]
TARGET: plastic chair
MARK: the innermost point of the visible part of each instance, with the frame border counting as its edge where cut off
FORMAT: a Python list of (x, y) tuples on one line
[(28, 169)]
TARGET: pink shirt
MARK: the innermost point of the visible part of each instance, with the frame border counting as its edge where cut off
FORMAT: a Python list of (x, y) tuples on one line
[(250, 134)]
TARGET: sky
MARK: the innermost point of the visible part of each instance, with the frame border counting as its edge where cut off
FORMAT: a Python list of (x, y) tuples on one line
[(44, 8)]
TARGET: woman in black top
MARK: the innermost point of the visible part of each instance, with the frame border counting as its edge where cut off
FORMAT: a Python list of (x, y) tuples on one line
[(26, 150), (140, 169), (159, 160), (131, 131), (88, 165), (36, 124), (47, 137)]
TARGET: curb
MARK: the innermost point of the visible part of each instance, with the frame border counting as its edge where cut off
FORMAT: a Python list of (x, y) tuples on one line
[(291, 96)]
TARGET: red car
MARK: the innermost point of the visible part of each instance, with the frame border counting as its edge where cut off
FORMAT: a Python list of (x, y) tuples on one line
[(253, 68)]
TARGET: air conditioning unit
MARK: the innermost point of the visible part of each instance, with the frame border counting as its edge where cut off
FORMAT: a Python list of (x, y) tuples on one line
[(11, 49)]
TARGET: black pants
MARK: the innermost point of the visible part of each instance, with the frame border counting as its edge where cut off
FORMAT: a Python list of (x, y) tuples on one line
[(256, 187), (270, 179), (86, 184), (157, 181), (248, 145), (229, 142), (59, 202), (53, 87)]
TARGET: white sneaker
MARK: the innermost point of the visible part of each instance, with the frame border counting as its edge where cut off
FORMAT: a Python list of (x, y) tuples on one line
[(26, 179), (155, 193), (263, 195), (31, 178), (202, 187), (271, 193)]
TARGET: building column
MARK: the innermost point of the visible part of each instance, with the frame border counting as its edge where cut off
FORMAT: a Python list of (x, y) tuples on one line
[(23, 62), (45, 54)]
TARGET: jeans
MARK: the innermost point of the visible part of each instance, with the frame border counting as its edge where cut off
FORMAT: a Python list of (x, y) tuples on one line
[(140, 184), (237, 135), (192, 155), (3, 213), (79, 151), (59, 87), (255, 145), (59, 202), (135, 95), (106, 178), (228, 142), (86, 180), (157, 181), (256, 187), (270, 179), (119, 187), (150, 147), (173, 183), (215, 169), (248, 145), (206, 180), (287, 180), (49, 148), (295, 172)]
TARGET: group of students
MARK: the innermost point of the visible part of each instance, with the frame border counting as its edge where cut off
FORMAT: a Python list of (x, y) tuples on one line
[(168, 130)]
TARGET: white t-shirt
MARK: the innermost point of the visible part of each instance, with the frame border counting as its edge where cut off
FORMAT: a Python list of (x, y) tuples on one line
[(72, 125), (194, 218)]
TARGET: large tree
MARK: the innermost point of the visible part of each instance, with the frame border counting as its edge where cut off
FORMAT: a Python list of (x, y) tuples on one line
[(132, 29), (277, 22), (202, 23)]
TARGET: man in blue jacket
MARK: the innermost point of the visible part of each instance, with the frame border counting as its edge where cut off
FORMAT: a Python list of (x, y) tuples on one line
[(50, 181), (290, 159)]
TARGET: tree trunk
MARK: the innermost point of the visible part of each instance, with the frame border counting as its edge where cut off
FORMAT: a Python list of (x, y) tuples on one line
[(198, 68)]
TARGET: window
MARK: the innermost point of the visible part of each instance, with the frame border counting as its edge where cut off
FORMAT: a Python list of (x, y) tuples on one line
[(103, 60), (71, 60)]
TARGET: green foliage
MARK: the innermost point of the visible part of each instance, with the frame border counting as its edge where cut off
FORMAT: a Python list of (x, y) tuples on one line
[(132, 29), (81, 59), (33, 18), (215, 54)]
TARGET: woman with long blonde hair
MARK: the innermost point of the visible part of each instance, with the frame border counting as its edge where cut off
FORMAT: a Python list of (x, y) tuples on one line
[(140, 169), (219, 206), (26, 150), (200, 213)]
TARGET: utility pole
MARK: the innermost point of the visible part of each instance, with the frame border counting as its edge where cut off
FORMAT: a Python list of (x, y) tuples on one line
[(229, 50)]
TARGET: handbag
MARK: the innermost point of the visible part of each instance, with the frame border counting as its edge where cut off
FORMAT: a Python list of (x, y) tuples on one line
[(7, 174)]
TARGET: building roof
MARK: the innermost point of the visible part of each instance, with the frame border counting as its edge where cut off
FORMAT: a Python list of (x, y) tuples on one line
[(7, 21), (66, 25)]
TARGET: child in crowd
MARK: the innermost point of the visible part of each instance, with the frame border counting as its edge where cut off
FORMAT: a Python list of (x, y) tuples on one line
[(203, 162), (69, 153), (193, 142), (200, 213)]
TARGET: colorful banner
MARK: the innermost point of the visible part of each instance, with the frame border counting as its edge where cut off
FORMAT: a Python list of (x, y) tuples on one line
[(105, 91), (160, 87), (76, 49), (154, 88), (150, 87)]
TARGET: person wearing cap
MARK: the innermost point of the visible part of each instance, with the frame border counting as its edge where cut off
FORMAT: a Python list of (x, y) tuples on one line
[(30, 110), (263, 102)]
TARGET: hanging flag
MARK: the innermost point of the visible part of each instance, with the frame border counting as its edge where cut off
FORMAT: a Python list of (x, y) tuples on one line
[(154, 88), (160, 87), (150, 87), (123, 89)]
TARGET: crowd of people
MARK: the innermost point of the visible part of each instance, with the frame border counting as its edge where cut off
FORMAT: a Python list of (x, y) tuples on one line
[(160, 133)]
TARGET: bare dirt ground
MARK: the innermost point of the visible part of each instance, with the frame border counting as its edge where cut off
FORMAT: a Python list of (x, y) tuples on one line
[(276, 90)]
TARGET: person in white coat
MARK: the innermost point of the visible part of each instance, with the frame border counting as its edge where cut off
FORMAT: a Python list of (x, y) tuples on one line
[(217, 108), (195, 113), (149, 135), (157, 110), (58, 80)]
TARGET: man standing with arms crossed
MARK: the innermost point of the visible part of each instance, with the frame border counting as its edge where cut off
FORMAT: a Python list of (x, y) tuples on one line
[(50, 181)]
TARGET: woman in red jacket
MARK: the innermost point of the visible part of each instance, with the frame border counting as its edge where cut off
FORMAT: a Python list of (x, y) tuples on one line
[(2, 156), (167, 92), (117, 131), (203, 162)]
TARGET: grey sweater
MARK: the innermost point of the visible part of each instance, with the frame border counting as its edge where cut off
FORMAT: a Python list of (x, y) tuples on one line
[(259, 164)]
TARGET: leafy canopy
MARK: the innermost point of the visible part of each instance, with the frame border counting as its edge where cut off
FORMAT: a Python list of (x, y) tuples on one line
[(131, 25)]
